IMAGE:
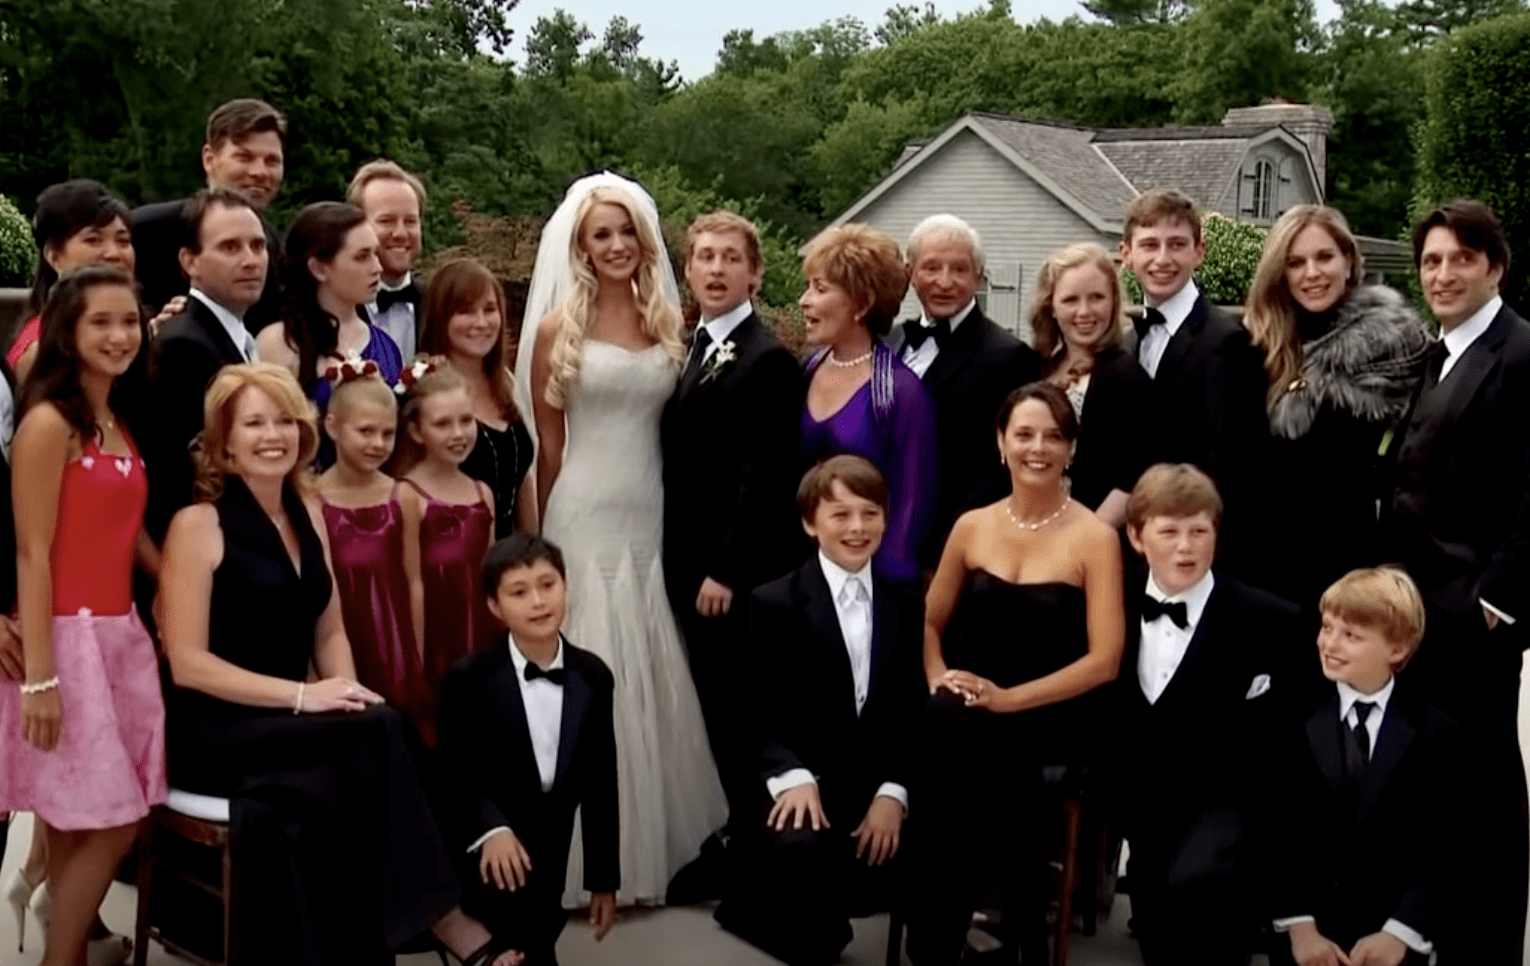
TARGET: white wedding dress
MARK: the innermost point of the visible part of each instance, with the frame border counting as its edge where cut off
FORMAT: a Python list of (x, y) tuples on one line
[(606, 512)]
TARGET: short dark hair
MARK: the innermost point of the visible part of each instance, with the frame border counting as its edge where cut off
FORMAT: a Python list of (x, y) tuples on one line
[(858, 475), (195, 210), (242, 117), (1055, 400), (1475, 225), (63, 211), (518, 550)]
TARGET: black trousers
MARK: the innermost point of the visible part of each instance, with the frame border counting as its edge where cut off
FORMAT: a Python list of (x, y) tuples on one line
[(529, 919), (715, 648), (1190, 901)]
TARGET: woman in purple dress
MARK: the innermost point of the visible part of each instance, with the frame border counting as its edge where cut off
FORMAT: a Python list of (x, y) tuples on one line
[(861, 399)]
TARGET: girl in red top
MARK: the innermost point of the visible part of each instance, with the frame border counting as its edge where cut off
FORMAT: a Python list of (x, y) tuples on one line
[(82, 739)]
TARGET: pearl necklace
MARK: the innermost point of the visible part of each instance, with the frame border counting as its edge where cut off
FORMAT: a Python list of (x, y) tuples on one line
[(847, 363), (1035, 526)]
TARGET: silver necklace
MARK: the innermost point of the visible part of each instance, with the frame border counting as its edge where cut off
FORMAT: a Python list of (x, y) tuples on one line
[(847, 363), (1035, 526)]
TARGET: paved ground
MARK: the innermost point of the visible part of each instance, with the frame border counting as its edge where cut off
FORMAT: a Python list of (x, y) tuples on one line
[(666, 937)]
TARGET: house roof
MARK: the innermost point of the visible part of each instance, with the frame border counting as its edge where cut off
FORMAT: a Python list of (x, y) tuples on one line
[(1064, 152)]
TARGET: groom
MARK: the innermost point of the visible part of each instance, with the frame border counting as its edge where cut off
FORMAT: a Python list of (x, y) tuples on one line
[(730, 462)]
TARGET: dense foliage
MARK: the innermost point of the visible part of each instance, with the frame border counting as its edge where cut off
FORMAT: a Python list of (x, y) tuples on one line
[(18, 253), (1232, 254)]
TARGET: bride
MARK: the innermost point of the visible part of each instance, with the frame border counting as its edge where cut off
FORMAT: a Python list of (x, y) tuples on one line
[(600, 352)]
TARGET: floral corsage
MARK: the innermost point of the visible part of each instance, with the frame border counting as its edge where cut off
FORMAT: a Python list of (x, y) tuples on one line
[(413, 373), (348, 370), (726, 353)]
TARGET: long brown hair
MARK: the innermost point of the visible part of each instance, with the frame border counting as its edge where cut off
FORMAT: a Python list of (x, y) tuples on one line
[(454, 287)]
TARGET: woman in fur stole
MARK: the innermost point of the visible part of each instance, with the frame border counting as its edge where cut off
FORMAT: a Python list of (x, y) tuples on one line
[(1343, 360)]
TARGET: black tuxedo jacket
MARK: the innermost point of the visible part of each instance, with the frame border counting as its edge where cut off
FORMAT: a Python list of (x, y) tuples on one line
[(1458, 514), (491, 769), (1188, 758), (159, 234), (979, 365), (731, 465), (1117, 436), (804, 692), (1389, 850), (183, 359)]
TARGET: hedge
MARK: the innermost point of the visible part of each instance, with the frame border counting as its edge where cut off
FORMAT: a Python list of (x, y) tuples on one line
[(18, 253), (1232, 252)]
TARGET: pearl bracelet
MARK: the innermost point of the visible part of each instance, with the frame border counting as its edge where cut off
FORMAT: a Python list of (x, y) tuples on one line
[(297, 706), (49, 685)]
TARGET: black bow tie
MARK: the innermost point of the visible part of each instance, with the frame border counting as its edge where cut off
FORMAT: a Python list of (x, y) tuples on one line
[(389, 297), (915, 333), (1149, 318), (1177, 611), (556, 675)]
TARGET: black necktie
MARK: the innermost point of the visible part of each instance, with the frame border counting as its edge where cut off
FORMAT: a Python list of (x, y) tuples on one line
[(389, 297), (699, 343), (1177, 611), (1437, 355), (1149, 318), (915, 333), (1357, 742), (556, 675)]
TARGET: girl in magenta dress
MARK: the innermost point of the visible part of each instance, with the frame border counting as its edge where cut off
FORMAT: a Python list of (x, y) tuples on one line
[(456, 514), (374, 542), (82, 739)]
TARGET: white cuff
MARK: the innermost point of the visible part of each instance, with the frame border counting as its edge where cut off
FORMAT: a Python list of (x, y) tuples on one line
[(1408, 936), (787, 780), (1501, 616), (1284, 925), (478, 843), (895, 792)]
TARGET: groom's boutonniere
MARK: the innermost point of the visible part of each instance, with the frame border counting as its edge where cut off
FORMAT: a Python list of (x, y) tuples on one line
[(726, 353)]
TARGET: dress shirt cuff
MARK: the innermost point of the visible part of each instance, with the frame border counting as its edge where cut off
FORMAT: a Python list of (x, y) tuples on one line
[(1284, 925), (894, 791), (478, 843), (1408, 936), (1501, 616), (788, 780)]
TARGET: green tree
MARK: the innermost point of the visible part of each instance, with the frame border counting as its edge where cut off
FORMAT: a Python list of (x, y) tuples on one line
[(1243, 52)]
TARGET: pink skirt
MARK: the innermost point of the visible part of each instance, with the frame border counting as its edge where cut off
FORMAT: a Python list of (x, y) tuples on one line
[(109, 766)]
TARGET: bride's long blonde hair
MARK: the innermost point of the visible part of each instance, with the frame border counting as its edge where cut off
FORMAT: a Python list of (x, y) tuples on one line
[(660, 319)]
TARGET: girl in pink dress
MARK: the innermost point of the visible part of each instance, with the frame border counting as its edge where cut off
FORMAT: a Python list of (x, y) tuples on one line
[(456, 514), (82, 739), (374, 537)]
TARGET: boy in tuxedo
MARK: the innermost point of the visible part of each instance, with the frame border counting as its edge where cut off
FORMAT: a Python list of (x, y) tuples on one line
[(1208, 663), (834, 668), (1366, 808), (526, 738), (1209, 376)]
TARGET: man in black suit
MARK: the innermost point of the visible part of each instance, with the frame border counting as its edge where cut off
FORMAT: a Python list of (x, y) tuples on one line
[(1364, 797), (526, 738), (1458, 517), (967, 363), (244, 154), (1208, 374), (837, 690), (731, 458), (226, 259), (394, 202), (1209, 663)]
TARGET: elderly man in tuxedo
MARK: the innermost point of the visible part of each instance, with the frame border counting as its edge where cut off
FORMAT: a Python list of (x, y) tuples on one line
[(967, 363), (394, 202), (243, 153), (1458, 516)]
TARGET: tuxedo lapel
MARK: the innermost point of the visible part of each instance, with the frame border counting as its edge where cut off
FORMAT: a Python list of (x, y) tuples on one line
[(576, 702), (743, 338), (1323, 739), (1190, 666), (884, 632), (956, 354), (215, 330), (818, 603), (1475, 366), (506, 691), (1392, 741), (1179, 344)]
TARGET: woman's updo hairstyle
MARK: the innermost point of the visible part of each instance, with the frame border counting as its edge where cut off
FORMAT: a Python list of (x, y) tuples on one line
[(868, 265), (1045, 392)]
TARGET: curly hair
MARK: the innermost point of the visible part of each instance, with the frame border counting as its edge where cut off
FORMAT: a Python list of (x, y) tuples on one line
[(210, 448), (660, 318), (868, 265)]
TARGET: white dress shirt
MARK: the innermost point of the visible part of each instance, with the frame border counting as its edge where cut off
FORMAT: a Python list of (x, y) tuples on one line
[(720, 328), (1164, 642), (1176, 309), (1348, 697), (851, 593), (543, 701), (398, 321), (1459, 339), (232, 324), (922, 358)]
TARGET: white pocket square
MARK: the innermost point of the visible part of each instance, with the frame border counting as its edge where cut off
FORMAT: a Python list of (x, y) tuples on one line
[(1258, 686)]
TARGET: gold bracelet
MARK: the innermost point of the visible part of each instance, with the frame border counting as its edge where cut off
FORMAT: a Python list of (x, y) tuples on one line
[(297, 706)]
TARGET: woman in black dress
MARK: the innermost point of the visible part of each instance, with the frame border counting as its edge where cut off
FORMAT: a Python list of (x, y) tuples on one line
[(1077, 319), (335, 851), (1343, 360), (1023, 619), (465, 321)]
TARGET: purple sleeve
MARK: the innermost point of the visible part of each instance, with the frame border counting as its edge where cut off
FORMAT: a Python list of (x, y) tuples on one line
[(913, 468)]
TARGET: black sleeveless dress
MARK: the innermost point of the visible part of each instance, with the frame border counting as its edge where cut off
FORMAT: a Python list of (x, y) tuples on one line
[(336, 856), (501, 459), (980, 820)]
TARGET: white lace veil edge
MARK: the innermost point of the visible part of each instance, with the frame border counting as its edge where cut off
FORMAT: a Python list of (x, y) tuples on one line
[(553, 273)]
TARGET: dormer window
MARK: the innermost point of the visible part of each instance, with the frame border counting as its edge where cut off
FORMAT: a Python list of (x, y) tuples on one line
[(1264, 189)]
